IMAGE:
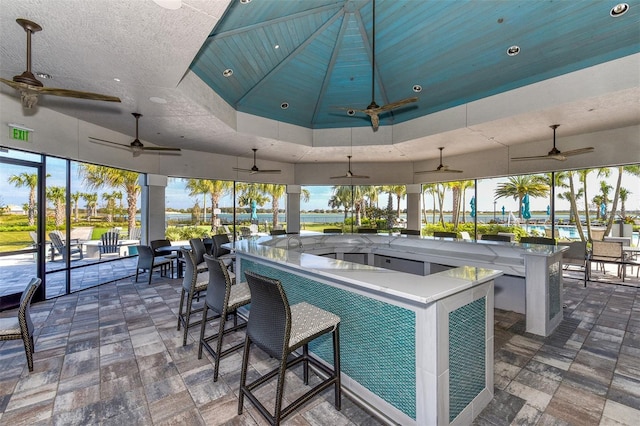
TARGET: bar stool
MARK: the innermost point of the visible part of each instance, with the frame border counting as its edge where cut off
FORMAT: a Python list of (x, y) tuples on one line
[(193, 283), (223, 299), (279, 330), (199, 250)]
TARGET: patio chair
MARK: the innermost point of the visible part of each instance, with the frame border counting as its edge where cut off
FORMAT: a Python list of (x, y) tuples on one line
[(60, 246), (22, 326), (608, 252), (495, 237), (577, 255), (444, 234), (109, 244), (278, 232), (135, 233), (148, 262), (538, 240)]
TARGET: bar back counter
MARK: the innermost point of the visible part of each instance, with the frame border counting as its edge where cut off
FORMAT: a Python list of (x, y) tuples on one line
[(416, 338)]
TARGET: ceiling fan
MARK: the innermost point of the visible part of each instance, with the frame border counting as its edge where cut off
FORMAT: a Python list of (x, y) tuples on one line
[(373, 110), (136, 146), (441, 168), (349, 173), (30, 87), (254, 169), (555, 153)]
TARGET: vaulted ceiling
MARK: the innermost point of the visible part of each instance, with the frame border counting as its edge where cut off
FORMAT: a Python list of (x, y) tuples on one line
[(315, 58)]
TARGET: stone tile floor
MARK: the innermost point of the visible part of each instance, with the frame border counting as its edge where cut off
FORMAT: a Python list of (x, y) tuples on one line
[(112, 355)]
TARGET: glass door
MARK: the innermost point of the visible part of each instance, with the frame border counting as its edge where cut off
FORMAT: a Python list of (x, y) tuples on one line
[(22, 240)]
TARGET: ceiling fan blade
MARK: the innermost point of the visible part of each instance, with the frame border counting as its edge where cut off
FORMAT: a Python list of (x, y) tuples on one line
[(109, 143), (77, 94), (438, 170), (533, 157), (397, 104), (158, 148), (578, 151), (238, 169)]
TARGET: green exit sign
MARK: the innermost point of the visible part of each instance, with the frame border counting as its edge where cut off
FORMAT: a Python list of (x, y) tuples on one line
[(19, 134)]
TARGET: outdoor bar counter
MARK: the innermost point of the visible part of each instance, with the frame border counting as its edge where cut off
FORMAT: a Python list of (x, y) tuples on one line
[(418, 349)]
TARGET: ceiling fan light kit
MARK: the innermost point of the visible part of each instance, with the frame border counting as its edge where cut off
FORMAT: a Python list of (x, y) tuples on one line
[(30, 87), (555, 153)]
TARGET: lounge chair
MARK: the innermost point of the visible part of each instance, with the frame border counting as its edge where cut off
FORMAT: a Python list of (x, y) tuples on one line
[(60, 246)]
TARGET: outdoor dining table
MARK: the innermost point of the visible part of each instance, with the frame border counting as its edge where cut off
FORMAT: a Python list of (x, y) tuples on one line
[(166, 250)]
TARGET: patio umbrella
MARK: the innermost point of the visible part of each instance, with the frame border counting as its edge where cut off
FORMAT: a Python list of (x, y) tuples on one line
[(502, 212), (603, 210), (254, 213), (548, 210), (526, 214), (473, 206)]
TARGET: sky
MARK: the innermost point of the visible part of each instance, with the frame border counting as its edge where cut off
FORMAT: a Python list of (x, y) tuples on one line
[(177, 197)]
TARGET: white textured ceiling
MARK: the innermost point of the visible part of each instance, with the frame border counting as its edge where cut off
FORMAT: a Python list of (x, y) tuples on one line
[(84, 45)]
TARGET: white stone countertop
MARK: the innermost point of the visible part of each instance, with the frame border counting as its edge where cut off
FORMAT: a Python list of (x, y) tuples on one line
[(415, 289)]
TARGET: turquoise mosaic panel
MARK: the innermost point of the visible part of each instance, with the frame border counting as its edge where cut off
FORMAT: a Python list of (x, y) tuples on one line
[(555, 282), (377, 340), (467, 353)]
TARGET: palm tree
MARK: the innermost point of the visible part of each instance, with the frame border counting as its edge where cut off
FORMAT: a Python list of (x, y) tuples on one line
[(441, 190), (29, 180), (429, 188), (197, 187), (110, 198), (101, 176), (57, 195), (464, 185), (274, 191), (250, 192), (92, 202), (217, 189), (633, 170), (75, 197), (341, 198), (517, 186), (400, 191), (624, 195)]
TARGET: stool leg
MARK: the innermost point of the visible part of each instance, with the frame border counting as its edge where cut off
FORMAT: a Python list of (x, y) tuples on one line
[(280, 389), (243, 373), (180, 308), (202, 327), (336, 366), (305, 364)]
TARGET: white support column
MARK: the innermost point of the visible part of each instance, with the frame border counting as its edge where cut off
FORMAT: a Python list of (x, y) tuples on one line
[(293, 208), (414, 195), (153, 207)]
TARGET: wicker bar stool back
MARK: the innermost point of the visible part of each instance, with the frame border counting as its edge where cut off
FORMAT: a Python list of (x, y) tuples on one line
[(279, 330), (193, 283), (22, 326), (223, 298)]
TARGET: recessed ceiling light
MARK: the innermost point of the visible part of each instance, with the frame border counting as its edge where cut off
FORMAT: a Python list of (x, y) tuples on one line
[(158, 100), (228, 72), (513, 50), (351, 112), (284, 105), (277, 46), (619, 9), (245, 1), (417, 88), (44, 75), (116, 79)]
